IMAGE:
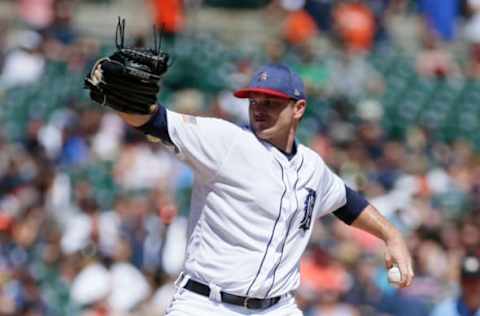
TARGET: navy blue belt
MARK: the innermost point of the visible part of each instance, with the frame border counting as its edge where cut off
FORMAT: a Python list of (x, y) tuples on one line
[(247, 302)]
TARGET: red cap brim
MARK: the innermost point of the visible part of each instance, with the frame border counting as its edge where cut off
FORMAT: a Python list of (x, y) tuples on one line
[(245, 93)]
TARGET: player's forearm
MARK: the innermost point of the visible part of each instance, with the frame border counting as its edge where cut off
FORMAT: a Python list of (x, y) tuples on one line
[(371, 221), (135, 120), (153, 125)]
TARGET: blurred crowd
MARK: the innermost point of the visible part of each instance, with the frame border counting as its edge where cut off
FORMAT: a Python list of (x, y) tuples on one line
[(93, 216)]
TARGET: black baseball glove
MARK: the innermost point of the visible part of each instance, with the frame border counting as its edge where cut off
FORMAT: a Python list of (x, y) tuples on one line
[(127, 81)]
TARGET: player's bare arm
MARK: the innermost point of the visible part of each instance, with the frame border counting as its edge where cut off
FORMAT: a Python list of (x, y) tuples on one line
[(371, 221), (134, 120)]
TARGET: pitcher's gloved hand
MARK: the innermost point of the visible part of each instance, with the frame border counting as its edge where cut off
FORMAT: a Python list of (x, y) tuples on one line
[(127, 81)]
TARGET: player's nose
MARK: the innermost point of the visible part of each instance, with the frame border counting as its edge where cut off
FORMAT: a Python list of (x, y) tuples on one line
[(260, 113)]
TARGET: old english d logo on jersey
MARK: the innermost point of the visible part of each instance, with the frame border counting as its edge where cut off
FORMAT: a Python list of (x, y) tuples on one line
[(308, 209)]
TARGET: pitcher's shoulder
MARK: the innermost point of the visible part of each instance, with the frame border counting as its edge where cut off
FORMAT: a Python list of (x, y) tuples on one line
[(310, 154)]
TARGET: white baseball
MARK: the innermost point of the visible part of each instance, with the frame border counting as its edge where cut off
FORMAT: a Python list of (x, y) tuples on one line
[(394, 276)]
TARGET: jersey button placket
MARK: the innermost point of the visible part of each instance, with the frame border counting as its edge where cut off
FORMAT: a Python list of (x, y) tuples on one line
[(287, 207)]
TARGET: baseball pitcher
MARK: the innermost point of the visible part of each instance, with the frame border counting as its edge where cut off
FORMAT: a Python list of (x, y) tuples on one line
[(257, 191)]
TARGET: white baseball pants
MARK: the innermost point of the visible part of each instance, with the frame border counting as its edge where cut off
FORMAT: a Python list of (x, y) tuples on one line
[(187, 303)]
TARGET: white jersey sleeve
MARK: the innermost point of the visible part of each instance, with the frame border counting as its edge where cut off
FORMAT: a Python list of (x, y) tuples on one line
[(333, 191), (201, 142)]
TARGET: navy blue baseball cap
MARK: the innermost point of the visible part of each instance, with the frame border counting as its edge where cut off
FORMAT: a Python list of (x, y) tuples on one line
[(275, 80)]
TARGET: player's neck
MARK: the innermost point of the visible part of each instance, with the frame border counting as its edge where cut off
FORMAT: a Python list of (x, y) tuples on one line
[(285, 143)]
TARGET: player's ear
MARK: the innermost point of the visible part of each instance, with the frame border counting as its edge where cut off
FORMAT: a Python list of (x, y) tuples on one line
[(299, 109)]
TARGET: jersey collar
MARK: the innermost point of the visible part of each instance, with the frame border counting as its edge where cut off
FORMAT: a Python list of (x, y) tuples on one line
[(292, 154), (280, 154), (289, 160)]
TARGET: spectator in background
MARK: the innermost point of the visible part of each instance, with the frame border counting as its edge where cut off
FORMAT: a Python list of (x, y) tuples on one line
[(472, 34), (403, 25), (365, 294), (312, 70), (62, 41), (351, 76), (431, 267), (434, 60), (142, 165), (75, 149), (355, 25), (172, 232), (467, 303), (169, 15), (3, 37), (37, 14), (90, 290), (84, 229), (61, 27), (330, 304), (25, 63), (321, 12), (440, 17), (327, 280), (299, 27), (379, 9)]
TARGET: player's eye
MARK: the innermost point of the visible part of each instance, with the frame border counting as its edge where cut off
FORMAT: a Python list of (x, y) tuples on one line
[(275, 103), (269, 103)]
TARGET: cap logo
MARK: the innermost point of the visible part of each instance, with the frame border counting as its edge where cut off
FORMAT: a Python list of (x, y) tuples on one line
[(263, 76), (296, 92)]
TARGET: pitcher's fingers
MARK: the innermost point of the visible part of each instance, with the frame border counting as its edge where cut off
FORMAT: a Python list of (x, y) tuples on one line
[(407, 275), (388, 260), (411, 275), (408, 279), (97, 74)]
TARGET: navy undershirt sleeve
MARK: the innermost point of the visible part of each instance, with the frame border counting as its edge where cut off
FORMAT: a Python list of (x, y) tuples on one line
[(355, 205), (157, 125)]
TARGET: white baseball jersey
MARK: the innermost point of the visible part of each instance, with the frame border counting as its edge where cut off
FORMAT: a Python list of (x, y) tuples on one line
[(252, 209)]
